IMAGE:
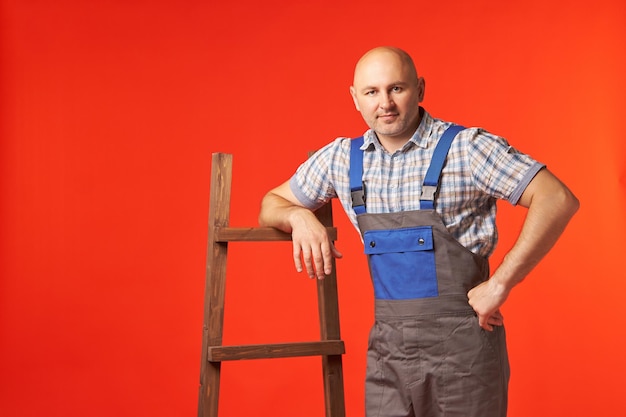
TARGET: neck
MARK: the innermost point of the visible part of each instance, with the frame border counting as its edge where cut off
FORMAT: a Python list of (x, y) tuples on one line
[(392, 144)]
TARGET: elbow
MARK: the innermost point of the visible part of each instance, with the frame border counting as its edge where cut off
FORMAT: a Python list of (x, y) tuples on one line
[(262, 213), (575, 204), (568, 203), (262, 221)]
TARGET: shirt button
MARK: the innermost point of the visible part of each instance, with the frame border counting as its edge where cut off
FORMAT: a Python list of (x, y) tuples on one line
[(421, 241), (372, 244)]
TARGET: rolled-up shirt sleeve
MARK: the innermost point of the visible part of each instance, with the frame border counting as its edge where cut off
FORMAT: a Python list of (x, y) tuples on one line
[(499, 169), (313, 183)]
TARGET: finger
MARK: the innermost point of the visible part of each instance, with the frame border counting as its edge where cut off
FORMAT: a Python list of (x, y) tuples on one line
[(470, 294), (330, 253), (296, 257), (301, 254), (308, 263), (319, 259), (327, 260), (336, 253), (497, 318), (495, 322), (484, 323)]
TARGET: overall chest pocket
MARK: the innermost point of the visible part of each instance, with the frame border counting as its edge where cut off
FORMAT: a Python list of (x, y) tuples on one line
[(402, 262)]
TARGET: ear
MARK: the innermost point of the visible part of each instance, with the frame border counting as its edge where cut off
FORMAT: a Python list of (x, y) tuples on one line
[(421, 86), (353, 94)]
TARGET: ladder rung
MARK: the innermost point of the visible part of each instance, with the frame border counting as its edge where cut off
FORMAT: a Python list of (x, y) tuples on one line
[(277, 350), (258, 234)]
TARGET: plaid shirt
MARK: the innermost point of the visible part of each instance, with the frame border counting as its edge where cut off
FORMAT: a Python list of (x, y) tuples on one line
[(479, 169)]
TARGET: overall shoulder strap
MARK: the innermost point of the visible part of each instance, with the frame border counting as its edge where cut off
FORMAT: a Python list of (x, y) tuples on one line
[(431, 180), (357, 190)]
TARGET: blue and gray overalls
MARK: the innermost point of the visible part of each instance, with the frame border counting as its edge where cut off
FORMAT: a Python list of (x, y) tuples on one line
[(427, 355)]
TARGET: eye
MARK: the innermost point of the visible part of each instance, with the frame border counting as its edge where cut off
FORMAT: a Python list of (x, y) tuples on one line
[(396, 89), (370, 92)]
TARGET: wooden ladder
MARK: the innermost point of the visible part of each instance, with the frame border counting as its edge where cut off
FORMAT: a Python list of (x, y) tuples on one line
[(330, 346)]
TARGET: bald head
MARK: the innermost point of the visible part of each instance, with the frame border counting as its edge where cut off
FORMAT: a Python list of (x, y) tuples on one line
[(385, 56)]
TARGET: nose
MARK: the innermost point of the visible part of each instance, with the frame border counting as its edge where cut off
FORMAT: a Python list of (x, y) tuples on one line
[(386, 101)]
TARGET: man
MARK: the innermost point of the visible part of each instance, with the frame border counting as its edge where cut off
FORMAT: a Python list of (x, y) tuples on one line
[(422, 193)]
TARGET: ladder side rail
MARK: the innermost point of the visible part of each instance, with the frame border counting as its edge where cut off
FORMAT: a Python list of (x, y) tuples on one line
[(328, 306), (215, 280)]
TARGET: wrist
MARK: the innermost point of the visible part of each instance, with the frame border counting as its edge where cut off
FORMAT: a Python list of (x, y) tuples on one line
[(296, 215), (499, 285)]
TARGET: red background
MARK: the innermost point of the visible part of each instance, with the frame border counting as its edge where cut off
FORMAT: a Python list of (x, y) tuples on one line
[(109, 113)]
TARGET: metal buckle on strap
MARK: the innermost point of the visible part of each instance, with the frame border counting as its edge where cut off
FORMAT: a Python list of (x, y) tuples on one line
[(428, 192), (358, 198)]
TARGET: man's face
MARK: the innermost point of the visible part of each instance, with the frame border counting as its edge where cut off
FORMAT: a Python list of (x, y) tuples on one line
[(387, 92)]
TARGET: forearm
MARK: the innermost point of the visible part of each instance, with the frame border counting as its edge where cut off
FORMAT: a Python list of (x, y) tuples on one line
[(549, 212), (550, 207), (278, 212)]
